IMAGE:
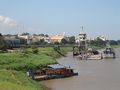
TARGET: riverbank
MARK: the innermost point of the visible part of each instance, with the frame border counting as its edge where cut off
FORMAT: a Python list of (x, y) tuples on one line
[(17, 80), (13, 67), (116, 46)]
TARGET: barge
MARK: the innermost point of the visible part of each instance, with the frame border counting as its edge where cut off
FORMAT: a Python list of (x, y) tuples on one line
[(52, 72)]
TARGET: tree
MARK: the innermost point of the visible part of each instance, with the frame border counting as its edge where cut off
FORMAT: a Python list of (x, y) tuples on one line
[(118, 41), (25, 33), (41, 34), (46, 35), (72, 40), (64, 41), (23, 41), (3, 45), (113, 42), (92, 42), (100, 42), (56, 43), (42, 40), (35, 49)]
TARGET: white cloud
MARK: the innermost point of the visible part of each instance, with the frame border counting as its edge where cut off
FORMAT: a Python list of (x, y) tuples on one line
[(7, 21), (8, 25), (11, 26)]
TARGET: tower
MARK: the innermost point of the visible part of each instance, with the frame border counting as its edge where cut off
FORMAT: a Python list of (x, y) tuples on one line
[(82, 41)]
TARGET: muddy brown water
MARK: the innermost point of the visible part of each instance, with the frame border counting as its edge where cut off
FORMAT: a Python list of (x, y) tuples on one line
[(93, 74)]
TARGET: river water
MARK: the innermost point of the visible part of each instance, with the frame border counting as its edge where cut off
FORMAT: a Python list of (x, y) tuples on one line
[(93, 74)]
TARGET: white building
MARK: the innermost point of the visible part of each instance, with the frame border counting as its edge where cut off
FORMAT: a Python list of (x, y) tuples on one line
[(26, 36), (82, 40)]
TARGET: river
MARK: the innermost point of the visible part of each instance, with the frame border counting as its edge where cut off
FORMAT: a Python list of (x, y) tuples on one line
[(93, 74)]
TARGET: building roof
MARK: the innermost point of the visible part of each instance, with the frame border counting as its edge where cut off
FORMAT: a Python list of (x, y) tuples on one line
[(82, 33), (56, 66), (57, 37)]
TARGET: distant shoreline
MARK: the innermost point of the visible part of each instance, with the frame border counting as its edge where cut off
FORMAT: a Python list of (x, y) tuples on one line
[(115, 46)]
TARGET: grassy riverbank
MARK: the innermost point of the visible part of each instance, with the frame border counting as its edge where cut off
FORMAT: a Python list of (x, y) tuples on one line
[(116, 46), (96, 47), (13, 67), (16, 80)]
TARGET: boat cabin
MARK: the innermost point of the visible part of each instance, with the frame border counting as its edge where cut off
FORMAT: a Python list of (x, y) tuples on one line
[(58, 69)]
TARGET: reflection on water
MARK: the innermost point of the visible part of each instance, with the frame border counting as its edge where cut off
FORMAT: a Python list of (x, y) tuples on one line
[(93, 74)]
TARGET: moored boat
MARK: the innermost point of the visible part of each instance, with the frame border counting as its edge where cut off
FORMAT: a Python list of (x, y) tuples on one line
[(94, 55), (108, 52), (52, 72)]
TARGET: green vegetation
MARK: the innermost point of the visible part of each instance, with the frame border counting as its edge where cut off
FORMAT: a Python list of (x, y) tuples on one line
[(116, 46), (13, 67), (2, 43), (16, 80), (96, 47), (98, 43), (22, 62), (101, 44)]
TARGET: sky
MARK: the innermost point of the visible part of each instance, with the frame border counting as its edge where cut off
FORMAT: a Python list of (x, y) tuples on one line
[(98, 17)]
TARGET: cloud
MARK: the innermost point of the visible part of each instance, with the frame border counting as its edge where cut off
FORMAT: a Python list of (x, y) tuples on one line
[(7, 21), (8, 25), (11, 26)]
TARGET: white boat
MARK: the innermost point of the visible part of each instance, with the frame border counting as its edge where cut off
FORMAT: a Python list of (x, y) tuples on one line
[(108, 53)]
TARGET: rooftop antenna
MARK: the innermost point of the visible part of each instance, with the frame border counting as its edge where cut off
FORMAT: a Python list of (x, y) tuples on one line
[(82, 28)]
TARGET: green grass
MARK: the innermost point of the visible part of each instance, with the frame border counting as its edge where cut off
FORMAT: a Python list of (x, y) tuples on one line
[(14, 65), (16, 80), (95, 47), (17, 61), (115, 46), (49, 51), (22, 62)]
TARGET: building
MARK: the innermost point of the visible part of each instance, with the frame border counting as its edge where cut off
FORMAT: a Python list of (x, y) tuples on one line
[(82, 40), (9, 36), (26, 36), (56, 38), (12, 41), (37, 38)]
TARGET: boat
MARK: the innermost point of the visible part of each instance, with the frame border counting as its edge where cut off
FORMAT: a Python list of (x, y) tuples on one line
[(108, 53), (52, 72), (94, 55)]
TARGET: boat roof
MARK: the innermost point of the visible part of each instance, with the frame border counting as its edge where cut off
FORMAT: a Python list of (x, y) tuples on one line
[(56, 66)]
